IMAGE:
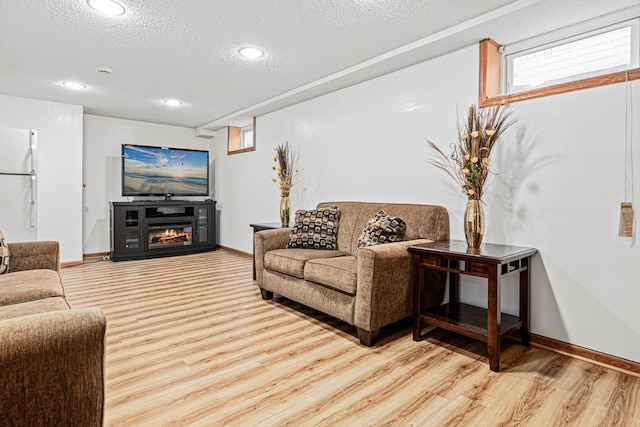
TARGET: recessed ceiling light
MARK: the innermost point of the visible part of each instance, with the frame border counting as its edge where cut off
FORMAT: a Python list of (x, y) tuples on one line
[(172, 102), (74, 85), (250, 52), (108, 7)]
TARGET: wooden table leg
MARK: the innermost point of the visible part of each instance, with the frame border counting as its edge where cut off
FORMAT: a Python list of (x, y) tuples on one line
[(454, 282), (418, 290), (524, 302), (493, 319), (253, 242)]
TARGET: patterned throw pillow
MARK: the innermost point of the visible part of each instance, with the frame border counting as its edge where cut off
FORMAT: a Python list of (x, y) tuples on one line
[(380, 229), (315, 229), (4, 255)]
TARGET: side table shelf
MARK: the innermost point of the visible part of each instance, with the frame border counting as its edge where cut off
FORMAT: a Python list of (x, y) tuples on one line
[(468, 320), (490, 261)]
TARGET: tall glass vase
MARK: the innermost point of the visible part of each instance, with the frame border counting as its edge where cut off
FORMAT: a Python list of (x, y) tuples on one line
[(285, 209), (474, 223)]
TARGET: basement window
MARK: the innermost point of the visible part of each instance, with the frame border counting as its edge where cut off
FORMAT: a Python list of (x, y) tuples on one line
[(241, 139), (604, 51), (587, 55), (246, 137)]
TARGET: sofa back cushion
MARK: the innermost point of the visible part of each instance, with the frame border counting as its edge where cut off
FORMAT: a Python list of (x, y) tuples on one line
[(423, 221)]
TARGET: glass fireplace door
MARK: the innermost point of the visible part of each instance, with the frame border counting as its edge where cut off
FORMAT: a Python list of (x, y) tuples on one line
[(162, 236)]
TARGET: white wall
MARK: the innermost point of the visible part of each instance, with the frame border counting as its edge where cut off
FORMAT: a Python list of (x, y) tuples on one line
[(103, 139), (559, 186), (59, 129)]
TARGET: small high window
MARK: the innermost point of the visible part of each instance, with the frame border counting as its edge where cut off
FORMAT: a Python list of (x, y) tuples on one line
[(246, 134), (604, 51), (241, 139)]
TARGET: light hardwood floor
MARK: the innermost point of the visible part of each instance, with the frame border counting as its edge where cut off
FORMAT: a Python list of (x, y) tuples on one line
[(190, 342)]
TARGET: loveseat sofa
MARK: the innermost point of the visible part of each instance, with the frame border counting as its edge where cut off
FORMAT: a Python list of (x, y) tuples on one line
[(370, 289), (51, 356)]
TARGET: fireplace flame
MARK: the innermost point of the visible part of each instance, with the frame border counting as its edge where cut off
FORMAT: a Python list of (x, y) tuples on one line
[(170, 236)]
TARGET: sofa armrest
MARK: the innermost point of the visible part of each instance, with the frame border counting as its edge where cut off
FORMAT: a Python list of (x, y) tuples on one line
[(385, 284), (34, 255), (52, 368), (265, 241)]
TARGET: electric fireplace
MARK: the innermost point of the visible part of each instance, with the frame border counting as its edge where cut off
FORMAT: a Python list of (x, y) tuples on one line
[(149, 229), (160, 236)]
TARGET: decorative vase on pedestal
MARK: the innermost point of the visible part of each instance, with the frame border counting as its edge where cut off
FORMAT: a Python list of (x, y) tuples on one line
[(285, 209), (474, 223)]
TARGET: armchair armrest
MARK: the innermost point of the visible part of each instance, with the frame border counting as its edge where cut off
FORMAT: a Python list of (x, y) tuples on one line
[(265, 241), (52, 368), (385, 284), (34, 255)]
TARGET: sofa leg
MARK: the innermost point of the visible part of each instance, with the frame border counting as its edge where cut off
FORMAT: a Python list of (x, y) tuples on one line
[(266, 294), (368, 338)]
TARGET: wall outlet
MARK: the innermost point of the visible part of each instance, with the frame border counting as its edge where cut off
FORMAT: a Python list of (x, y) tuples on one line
[(626, 220)]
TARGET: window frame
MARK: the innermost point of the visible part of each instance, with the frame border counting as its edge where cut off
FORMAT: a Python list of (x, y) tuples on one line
[(493, 63), (234, 139)]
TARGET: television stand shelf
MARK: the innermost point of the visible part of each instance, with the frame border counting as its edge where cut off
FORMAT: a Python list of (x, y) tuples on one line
[(149, 229)]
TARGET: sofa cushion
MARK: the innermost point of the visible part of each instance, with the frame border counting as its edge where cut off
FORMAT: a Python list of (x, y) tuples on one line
[(315, 229), (29, 285), (44, 305), (337, 273), (380, 229), (4, 254), (291, 261)]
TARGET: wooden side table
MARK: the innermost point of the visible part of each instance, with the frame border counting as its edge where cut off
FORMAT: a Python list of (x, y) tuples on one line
[(492, 262), (260, 227)]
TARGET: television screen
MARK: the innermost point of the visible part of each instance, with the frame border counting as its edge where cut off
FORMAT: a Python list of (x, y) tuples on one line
[(157, 171)]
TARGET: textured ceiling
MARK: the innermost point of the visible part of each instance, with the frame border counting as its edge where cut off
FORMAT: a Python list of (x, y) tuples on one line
[(188, 49)]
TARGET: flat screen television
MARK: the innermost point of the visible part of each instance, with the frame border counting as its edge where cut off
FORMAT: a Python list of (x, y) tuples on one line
[(160, 171)]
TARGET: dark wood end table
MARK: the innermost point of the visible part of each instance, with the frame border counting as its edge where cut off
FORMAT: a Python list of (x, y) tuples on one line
[(260, 227), (492, 262)]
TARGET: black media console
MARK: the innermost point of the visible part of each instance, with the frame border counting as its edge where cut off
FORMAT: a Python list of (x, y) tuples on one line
[(147, 229)]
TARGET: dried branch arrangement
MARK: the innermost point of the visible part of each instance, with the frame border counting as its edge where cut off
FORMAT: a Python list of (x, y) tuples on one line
[(469, 161), (286, 167)]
